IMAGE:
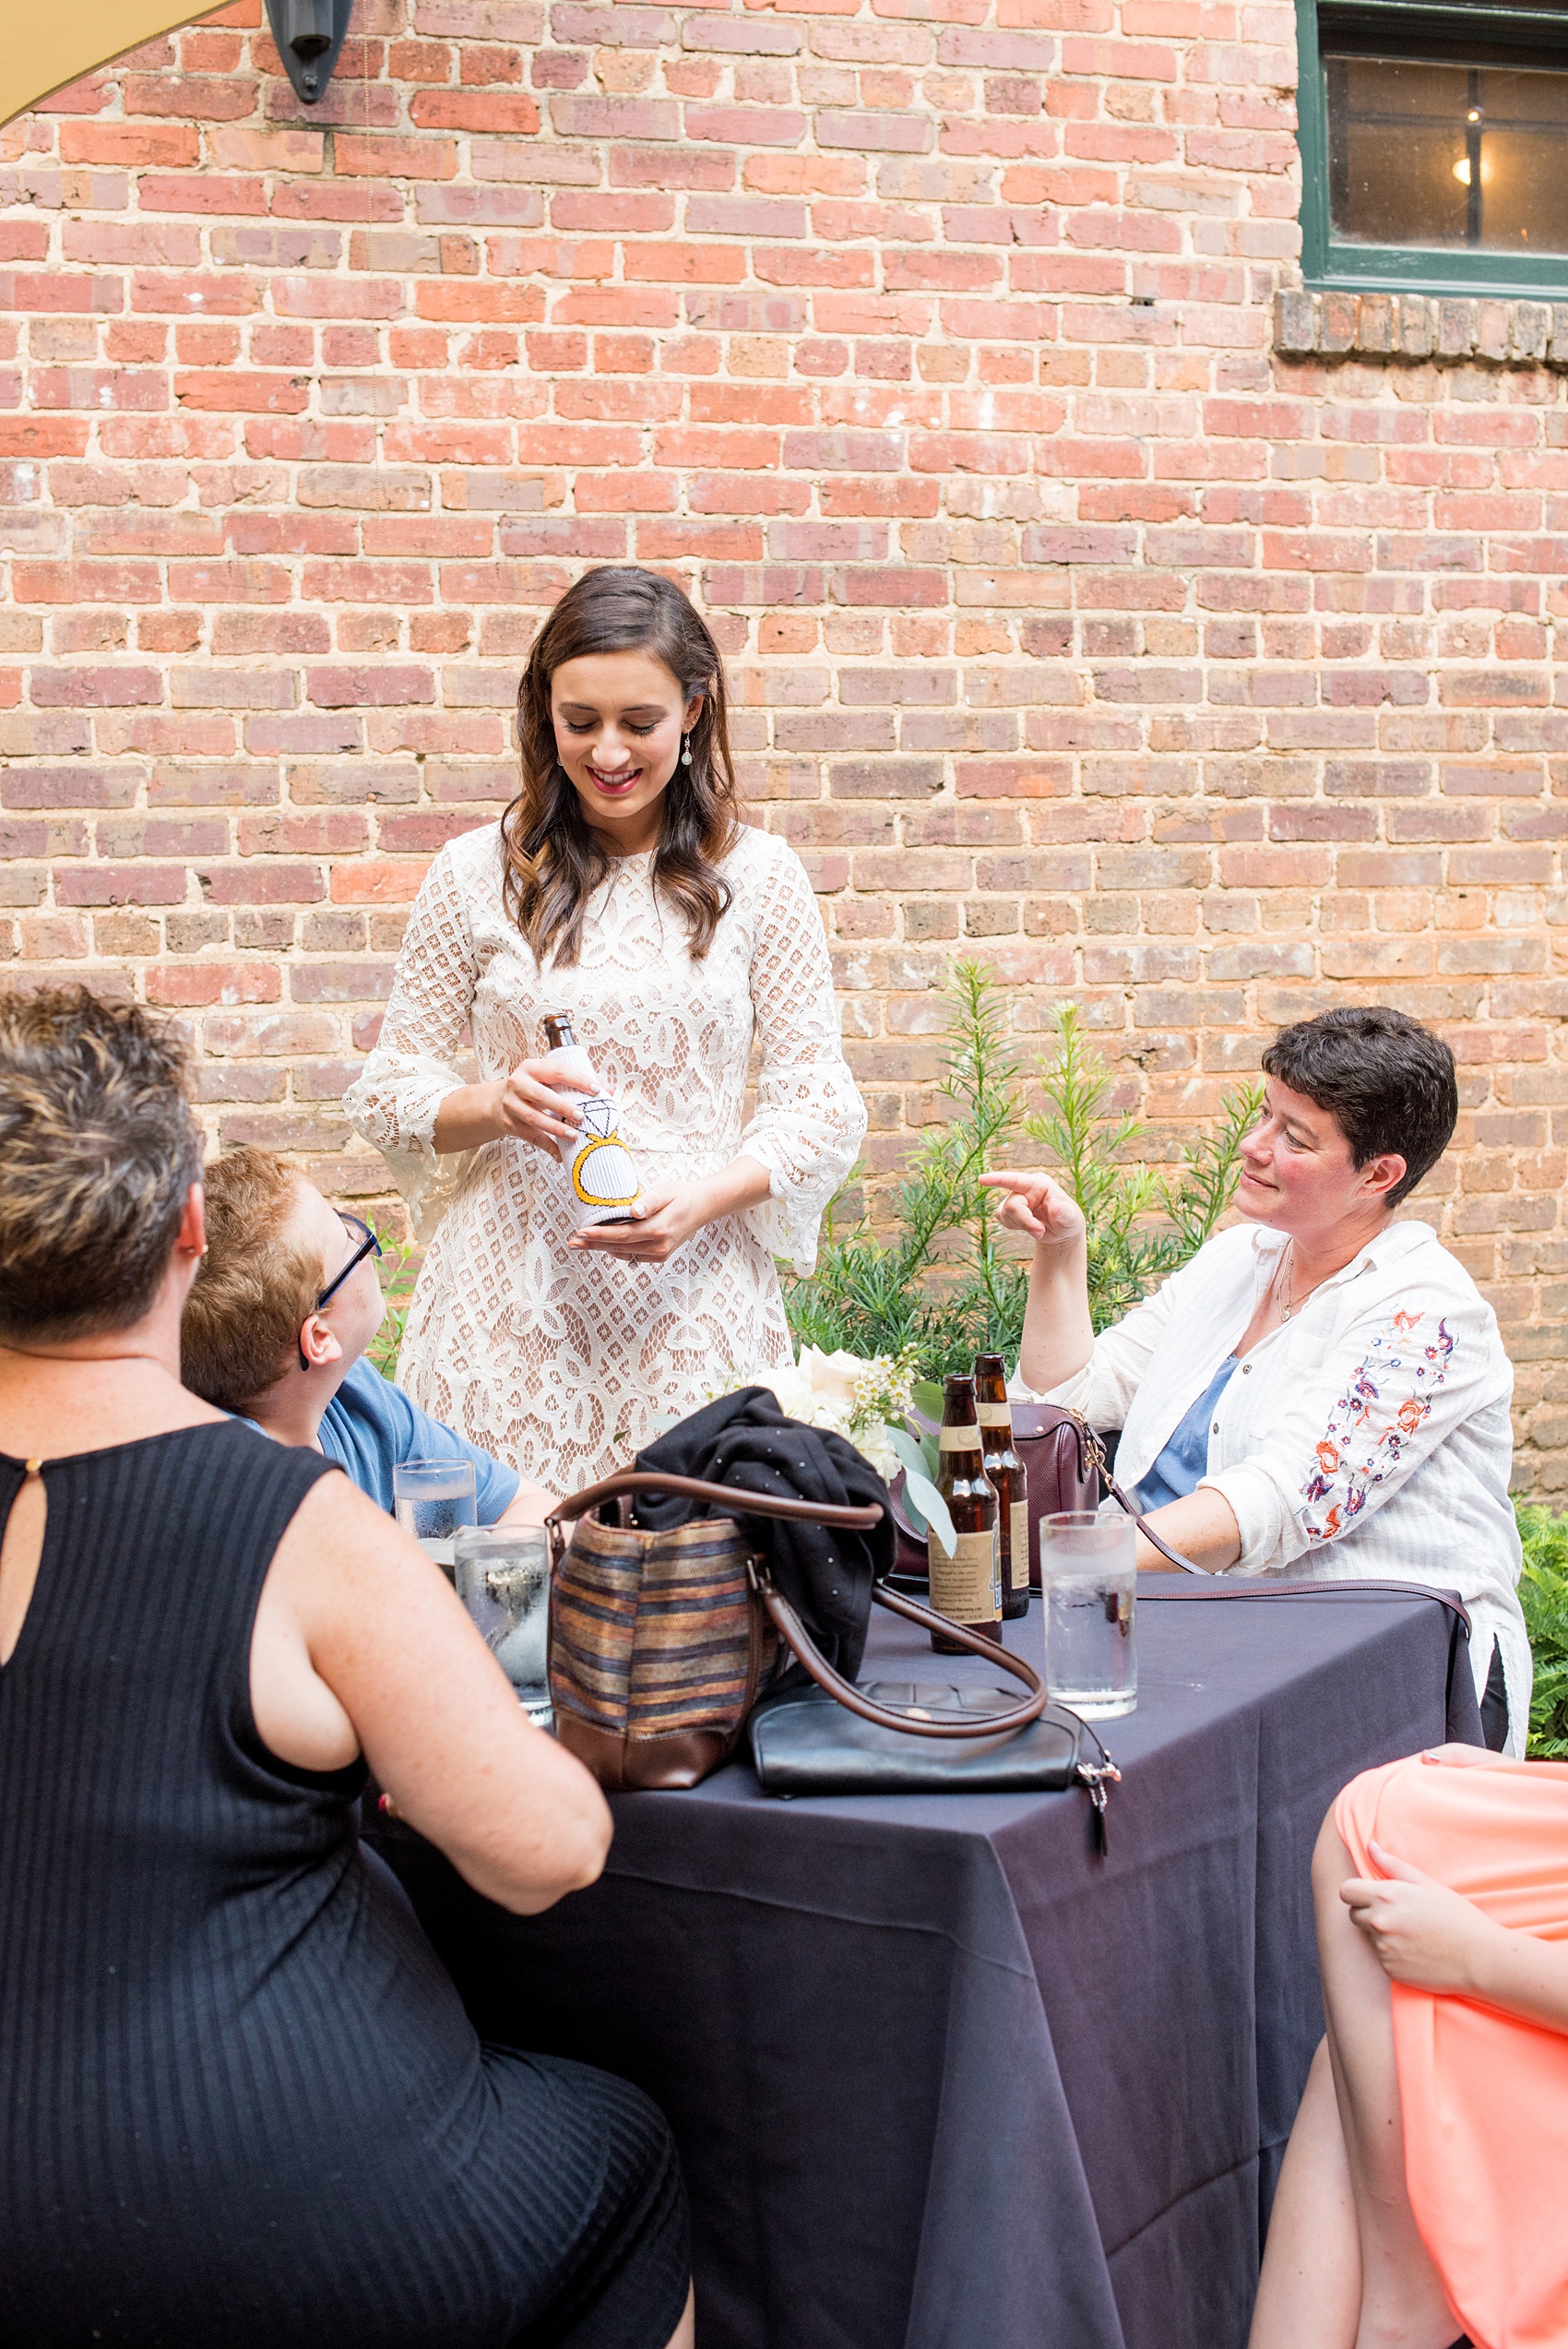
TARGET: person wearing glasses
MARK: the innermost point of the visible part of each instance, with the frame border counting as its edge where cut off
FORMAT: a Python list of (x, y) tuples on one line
[(276, 1328)]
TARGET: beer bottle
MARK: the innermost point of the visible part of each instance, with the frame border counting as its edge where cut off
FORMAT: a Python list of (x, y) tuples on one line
[(964, 1583), (1009, 1477), (599, 1165)]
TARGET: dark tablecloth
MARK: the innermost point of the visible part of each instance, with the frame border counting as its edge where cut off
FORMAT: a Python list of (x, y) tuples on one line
[(942, 2078)]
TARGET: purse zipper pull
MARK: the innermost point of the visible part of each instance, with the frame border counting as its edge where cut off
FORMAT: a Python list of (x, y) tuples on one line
[(1093, 1776)]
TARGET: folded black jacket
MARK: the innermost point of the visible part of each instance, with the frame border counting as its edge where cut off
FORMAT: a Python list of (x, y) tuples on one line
[(743, 1440)]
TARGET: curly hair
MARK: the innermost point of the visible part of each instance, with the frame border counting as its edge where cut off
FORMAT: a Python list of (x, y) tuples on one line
[(97, 1150), (554, 862), (256, 1287)]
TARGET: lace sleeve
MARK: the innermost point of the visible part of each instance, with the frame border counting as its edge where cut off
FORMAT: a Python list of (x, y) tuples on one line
[(394, 1104), (809, 1117)]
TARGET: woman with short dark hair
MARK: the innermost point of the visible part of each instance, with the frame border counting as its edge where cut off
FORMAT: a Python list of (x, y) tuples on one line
[(622, 886), (1322, 1388), (239, 2101)]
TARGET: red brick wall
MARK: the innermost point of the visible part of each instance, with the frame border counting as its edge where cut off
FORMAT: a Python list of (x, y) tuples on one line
[(930, 342)]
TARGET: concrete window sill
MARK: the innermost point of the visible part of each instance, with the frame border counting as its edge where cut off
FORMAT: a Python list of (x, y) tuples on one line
[(1450, 328)]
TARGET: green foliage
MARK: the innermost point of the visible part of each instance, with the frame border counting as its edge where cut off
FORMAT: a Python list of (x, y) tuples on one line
[(1543, 1594), (398, 1268), (943, 1280)]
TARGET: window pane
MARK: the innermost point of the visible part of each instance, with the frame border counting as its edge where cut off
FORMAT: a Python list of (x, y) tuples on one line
[(1428, 153)]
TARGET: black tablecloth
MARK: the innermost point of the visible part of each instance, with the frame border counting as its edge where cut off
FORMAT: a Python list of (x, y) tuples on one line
[(943, 2079)]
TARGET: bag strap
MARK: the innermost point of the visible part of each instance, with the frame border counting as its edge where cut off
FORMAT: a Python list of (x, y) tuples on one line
[(1218, 1588), (1088, 1441), (799, 1641), (733, 1500)]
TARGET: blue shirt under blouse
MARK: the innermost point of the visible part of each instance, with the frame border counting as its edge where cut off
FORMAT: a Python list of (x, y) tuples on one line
[(1184, 1458), (370, 1428)]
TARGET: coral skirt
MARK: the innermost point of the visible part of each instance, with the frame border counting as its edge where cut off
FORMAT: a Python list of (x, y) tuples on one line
[(1484, 2096)]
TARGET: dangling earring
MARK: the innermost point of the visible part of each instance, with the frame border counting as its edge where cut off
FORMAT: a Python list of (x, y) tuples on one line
[(686, 750)]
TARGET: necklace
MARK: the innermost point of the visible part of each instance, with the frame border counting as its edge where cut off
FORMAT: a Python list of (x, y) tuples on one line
[(1288, 1260)]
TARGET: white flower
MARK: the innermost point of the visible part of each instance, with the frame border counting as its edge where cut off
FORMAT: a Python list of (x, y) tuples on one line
[(832, 1377)]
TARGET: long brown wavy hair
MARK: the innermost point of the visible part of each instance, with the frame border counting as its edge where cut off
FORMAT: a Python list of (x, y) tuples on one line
[(554, 860)]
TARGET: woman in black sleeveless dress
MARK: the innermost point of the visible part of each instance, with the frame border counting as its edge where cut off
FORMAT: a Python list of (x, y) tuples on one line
[(241, 2106)]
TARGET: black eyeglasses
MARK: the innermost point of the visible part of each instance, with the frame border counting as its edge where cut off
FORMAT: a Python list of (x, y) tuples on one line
[(369, 1245)]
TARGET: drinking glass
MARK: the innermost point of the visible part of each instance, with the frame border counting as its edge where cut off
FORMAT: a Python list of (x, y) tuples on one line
[(432, 1499), (1090, 1570), (503, 1578)]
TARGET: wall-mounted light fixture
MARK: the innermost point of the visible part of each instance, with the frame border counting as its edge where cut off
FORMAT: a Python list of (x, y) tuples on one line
[(309, 34)]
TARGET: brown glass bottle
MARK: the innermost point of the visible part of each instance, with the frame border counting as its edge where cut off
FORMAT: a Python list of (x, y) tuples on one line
[(965, 1584), (1010, 1477)]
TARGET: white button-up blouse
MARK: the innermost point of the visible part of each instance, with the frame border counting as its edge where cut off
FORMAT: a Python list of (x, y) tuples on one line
[(1367, 1438)]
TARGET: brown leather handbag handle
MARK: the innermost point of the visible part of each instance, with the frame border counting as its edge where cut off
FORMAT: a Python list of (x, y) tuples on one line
[(734, 1500), (799, 1641)]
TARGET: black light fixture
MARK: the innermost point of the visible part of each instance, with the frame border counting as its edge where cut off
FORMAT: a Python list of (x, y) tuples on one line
[(309, 33)]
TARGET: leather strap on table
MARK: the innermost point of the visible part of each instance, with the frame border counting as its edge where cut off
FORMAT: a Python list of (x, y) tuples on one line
[(1256, 1588), (796, 1638)]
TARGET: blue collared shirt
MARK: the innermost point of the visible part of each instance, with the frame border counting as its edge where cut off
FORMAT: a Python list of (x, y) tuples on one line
[(370, 1428)]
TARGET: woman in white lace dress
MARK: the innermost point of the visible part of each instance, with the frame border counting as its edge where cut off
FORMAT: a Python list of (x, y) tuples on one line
[(620, 887)]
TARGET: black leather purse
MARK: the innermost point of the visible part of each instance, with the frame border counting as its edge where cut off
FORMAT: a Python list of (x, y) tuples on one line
[(803, 1742)]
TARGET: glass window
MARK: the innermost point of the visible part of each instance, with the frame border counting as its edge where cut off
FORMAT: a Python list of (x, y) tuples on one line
[(1423, 153), (1434, 145)]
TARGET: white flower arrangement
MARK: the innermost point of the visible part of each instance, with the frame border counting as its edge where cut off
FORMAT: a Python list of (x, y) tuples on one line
[(867, 1403)]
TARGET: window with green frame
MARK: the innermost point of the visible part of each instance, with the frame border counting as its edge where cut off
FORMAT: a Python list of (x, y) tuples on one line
[(1434, 145)]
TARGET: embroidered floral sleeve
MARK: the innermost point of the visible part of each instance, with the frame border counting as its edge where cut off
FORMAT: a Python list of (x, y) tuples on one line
[(1375, 1420), (1396, 1383)]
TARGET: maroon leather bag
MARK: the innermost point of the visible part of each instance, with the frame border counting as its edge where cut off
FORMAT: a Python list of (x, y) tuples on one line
[(1060, 1459)]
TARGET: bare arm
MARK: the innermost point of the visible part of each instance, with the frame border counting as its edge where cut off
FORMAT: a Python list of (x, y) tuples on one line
[(529, 1505), (1201, 1525), (1058, 1333), (663, 1219), (361, 1645), (1432, 1938), (535, 1104)]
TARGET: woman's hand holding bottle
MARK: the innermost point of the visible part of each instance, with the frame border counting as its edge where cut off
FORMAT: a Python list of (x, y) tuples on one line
[(536, 1103)]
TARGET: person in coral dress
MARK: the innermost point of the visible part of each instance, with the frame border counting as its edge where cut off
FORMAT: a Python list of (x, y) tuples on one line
[(1421, 2195), (621, 887)]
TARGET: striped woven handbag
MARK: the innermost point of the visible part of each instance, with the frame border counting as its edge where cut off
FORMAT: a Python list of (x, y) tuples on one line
[(661, 1642)]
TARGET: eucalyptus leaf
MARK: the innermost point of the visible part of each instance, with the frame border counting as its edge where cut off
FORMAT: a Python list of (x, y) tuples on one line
[(926, 1394), (931, 1450), (909, 1451), (929, 1502)]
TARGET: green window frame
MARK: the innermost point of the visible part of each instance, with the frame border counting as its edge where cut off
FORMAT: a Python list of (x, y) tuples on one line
[(1472, 34)]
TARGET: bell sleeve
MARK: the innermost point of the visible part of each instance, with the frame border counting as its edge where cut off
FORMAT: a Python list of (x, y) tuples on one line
[(1396, 1383), (808, 1119), (394, 1103)]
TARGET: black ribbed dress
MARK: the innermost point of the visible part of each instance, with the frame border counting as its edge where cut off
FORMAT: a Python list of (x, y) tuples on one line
[(241, 2106)]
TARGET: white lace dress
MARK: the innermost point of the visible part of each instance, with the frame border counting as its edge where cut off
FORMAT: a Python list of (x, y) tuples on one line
[(562, 1362)]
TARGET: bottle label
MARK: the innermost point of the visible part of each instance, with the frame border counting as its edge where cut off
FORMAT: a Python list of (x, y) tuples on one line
[(966, 1586), (601, 1168), (959, 1439), (995, 1415), (1019, 1547)]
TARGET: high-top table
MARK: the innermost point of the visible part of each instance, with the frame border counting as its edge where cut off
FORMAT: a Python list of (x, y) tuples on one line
[(944, 2078)]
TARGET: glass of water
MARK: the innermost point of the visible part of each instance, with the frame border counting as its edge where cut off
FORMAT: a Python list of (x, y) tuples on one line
[(433, 1499), (1088, 1567), (503, 1577)]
